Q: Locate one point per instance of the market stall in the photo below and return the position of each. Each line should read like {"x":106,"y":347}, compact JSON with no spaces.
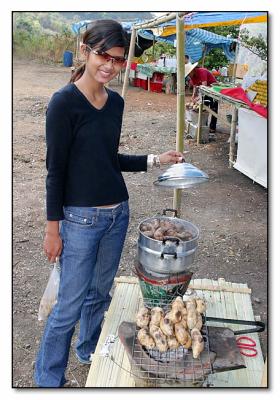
{"x":252,"y":129}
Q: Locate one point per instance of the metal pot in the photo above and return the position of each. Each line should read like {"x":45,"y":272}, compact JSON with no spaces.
{"x":171,"y":255}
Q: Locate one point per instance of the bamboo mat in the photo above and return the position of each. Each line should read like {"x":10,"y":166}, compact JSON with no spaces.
{"x":224,"y":300}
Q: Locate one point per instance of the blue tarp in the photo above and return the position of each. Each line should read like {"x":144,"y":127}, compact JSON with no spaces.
{"x":198,"y":20}
{"x":79,"y":25}
{"x":196,"y":40}
{"x":208,"y":19}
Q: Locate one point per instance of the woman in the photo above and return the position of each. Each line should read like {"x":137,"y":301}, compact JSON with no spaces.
{"x":201,"y":76}
{"x":87,"y":200}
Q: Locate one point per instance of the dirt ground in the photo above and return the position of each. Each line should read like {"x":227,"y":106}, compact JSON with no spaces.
{"x":230,"y":210}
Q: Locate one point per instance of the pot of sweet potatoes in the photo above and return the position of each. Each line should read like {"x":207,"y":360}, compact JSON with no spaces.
{"x":167,"y":245}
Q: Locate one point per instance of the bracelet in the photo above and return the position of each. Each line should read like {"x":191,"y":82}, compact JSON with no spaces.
{"x":153,"y":161}
{"x":156,"y":161}
{"x":150,"y":161}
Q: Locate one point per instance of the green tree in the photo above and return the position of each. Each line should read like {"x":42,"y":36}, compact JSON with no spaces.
{"x":256,"y":44}
{"x":216,"y":57}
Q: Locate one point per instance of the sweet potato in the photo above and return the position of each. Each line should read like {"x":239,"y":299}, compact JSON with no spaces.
{"x":145,"y":339}
{"x":172,"y":342}
{"x":143,"y":317}
{"x":178,"y":304}
{"x":199,"y":322}
{"x":156,"y":315}
{"x":159,"y":234}
{"x":197,"y":342}
{"x":155,"y":224}
{"x":159,"y":338}
{"x":184,"y":319}
{"x":190,"y":305}
{"x":182,"y":335}
{"x":185,"y":236}
{"x":166,"y":326}
{"x":200,"y":305}
{"x":174,"y":316}
{"x":192,"y":319}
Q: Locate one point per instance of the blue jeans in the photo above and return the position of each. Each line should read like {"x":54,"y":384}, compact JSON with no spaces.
{"x":93,"y":240}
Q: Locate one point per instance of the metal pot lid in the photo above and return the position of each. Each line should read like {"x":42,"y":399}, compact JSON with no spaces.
{"x":181,"y":176}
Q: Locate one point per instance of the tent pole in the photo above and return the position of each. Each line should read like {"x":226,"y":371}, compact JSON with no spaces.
{"x":203,"y":56}
{"x":180,"y":52}
{"x":235,"y":62}
{"x":159,"y":20}
{"x":130,"y":56}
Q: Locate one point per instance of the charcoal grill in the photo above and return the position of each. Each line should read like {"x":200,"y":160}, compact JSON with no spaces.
{"x":178,"y":368}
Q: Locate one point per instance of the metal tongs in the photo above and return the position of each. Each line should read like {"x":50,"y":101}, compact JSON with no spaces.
{"x":258,"y":325}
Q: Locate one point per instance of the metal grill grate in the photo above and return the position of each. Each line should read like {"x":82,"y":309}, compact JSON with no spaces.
{"x":173,"y":367}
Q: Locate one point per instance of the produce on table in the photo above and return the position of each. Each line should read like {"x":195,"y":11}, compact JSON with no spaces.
{"x":180,"y":326}
{"x":159,"y":229}
{"x":192,"y":106}
{"x":197,"y":342}
{"x":261,"y":88}
{"x":145,"y":339}
{"x":143,"y":317}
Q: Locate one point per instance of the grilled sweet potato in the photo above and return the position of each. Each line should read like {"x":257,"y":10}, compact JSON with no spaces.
{"x":145,"y":339}
{"x":159,"y":338}
{"x":197,"y":342}
{"x":156,"y":315}
{"x":143,"y":317}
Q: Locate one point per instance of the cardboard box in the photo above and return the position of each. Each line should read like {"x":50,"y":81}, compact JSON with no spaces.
{"x":241,"y":70}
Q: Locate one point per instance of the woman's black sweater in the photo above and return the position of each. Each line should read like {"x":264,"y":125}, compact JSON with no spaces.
{"x":83,"y":163}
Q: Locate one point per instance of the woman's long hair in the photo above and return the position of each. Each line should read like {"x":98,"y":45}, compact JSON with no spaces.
{"x":102,"y":34}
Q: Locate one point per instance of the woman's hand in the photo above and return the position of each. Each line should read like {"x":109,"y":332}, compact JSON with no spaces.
{"x":52,"y":246}
{"x":195,"y":99}
{"x":171,"y":157}
{"x":52,"y":241}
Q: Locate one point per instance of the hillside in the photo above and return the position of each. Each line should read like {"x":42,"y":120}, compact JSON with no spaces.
{"x":53,"y":22}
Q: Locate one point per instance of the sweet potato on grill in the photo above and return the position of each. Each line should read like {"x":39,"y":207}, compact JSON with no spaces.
{"x":146,"y":339}
{"x":199,"y":322}
{"x":174,"y":316}
{"x":192,"y":319}
{"x":178,"y":304}
{"x":200,"y":306}
{"x":172,"y":342}
{"x":143,"y":317}
{"x":182,"y":335}
{"x":159,"y":338}
{"x":156,"y":315}
{"x":184,"y":319}
{"x":190,"y":305}
{"x":166,"y":326}
{"x":197,"y":342}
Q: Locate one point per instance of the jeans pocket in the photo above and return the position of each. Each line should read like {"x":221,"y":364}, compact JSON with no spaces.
{"x":78,"y":219}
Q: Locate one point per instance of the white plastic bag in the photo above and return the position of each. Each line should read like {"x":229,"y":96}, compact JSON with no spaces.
{"x":50,"y":294}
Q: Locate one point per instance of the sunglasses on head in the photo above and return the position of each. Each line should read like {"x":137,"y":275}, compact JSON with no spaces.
{"x":107,"y":57}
